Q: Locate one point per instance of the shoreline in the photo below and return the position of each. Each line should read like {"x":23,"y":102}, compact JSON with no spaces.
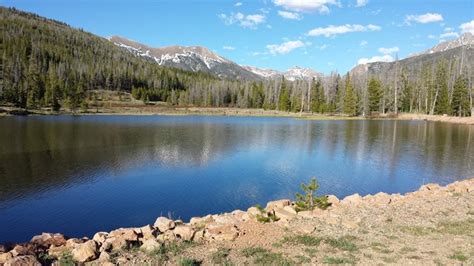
{"x":433,"y":215}
{"x":146,"y":110}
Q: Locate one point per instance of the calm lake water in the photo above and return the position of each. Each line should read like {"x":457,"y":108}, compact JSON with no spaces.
{"x":79,"y":175}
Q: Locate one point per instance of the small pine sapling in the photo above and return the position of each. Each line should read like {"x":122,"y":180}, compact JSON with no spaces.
{"x":309,"y":201}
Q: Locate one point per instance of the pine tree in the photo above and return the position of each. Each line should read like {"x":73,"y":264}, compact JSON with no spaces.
{"x":442,"y":102}
{"x":460,"y":102}
{"x":375,"y":94}
{"x":350,"y":101}
{"x":284,"y":103}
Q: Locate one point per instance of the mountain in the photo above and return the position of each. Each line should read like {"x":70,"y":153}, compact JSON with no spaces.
{"x":198,"y":58}
{"x":191,"y":58}
{"x":292,"y":74}
{"x":460,"y":50}
{"x":467,"y":39}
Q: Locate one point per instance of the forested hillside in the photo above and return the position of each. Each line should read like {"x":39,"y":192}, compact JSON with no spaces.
{"x":46,"y":63}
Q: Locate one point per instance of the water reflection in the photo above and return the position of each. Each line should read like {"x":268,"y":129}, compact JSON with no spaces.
{"x":79,"y":175}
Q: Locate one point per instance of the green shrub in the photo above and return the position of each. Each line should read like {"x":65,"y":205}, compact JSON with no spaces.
{"x":189,"y":262}
{"x":309,"y":201}
{"x":220,"y":256}
{"x":264,"y":216}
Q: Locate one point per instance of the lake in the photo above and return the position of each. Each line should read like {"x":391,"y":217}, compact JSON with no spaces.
{"x":81,"y":174}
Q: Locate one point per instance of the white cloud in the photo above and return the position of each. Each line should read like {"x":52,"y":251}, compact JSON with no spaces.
{"x":285,"y":47}
{"x":361,"y":3}
{"x":230,"y":48}
{"x":290,"y":15}
{"x":246,"y":21}
{"x":449,"y":35}
{"x":377,"y":58}
{"x":425,"y":18}
{"x":431,"y":36}
{"x":238,"y":4}
{"x":309,"y":6}
{"x":390,"y":50}
{"x":467,"y":27}
{"x":342,"y":29}
{"x":448,"y":29}
{"x":363,"y":43}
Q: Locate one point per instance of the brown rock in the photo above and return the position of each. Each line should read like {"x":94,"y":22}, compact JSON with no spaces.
{"x":148,"y":232}
{"x":4,"y":257}
{"x":271,"y":205}
{"x":430,"y":187}
{"x":104,"y":257}
{"x":226,"y":219}
{"x":199,"y":236}
{"x":355,"y":199}
{"x":166,"y":236}
{"x":20,"y":250}
{"x":48,"y":239}
{"x":333,"y":200}
{"x":85,"y":252}
{"x":128,"y":234}
{"x":72,"y":242}
{"x":284,"y":214}
{"x":100,"y":237}
{"x":241,"y":216}
{"x":184,"y":232}
{"x":3,"y":249}
{"x":150,"y":245}
{"x":253,"y":211}
{"x":28,"y":260}
{"x":217,"y":231}
{"x":200,"y":222}
{"x":58,"y":251}
{"x":164,"y":224}
{"x":290,"y":209}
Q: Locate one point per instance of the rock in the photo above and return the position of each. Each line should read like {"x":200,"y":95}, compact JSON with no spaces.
{"x":199,"y":236}
{"x":20,"y":250}
{"x":284,"y":214}
{"x":85,"y":252}
{"x":58,"y":251}
{"x":114,"y":243}
{"x":355,"y":199}
{"x":48,"y":239}
{"x":3,"y":249}
{"x":217,"y":231}
{"x":100,"y":237}
{"x":128,"y":234}
{"x":200,"y":222}
{"x":104,"y":257}
{"x":241,"y":216}
{"x":333,"y":200}
{"x":311,"y":214}
{"x":72,"y":242}
{"x":226,"y":219}
{"x":150,"y":245}
{"x":271,"y":205}
{"x":164,"y":224}
{"x":4,"y":257}
{"x":253,"y":211}
{"x":148,"y":232}
{"x":28,"y":260}
{"x":184,"y":232}
{"x":166,"y":236}
{"x":290,"y":209}
{"x":429,"y":187}
{"x":306,"y":228}
{"x":351,"y":222}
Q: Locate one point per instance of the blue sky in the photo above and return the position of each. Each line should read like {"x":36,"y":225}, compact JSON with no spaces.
{"x":324,"y":35}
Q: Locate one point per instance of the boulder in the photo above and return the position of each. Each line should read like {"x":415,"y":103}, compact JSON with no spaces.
{"x":199,"y":236}
{"x":290,"y":209}
{"x":354,"y":199}
{"x":311,"y":214}
{"x":28,"y":260}
{"x":72,"y":242}
{"x":253,"y":211}
{"x":226,"y":219}
{"x":283,"y":214}
{"x":150,"y":245}
{"x":104,"y":257}
{"x":184,"y":232}
{"x":100,"y":237}
{"x":271,"y":205}
{"x":333,"y":200}
{"x":58,"y":251}
{"x":200,"y":222}
{"x":20,"y":250}
{"x":218,"y":231}
{"x":3,"y":249}
{"x":241,"y":216}
{"x":114,"y":243}
{"x":429,"y":187}
{"x":85,"y":252}
{"x":48,"y":239}
{"x":148,"y":232}
{"x":128,"y":234}
{"x":164,"y":224}
{"x":4,"y":257}
{"x":166,"y":236}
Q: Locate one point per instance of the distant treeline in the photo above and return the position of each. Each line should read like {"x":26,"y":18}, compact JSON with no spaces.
{"x":46,"y":63}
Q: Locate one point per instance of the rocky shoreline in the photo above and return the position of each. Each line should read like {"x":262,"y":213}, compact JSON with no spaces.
{"x":357,"y":216}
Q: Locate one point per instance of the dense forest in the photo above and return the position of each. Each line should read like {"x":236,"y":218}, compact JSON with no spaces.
{"x":47,"y":64}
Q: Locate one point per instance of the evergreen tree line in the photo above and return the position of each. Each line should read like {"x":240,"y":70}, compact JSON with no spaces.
{"x":45,"y":63}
